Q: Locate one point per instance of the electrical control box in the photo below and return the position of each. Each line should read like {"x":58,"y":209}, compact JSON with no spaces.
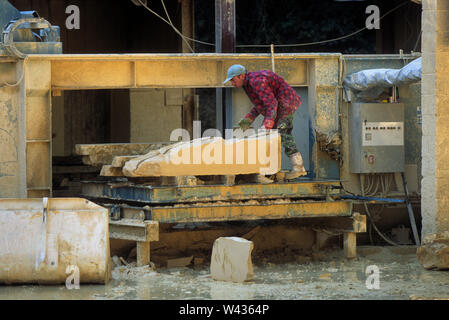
{"x":376,"y":137}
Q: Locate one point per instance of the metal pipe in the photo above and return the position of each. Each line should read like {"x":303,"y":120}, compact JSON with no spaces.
{"x":410,"y":211}
{"x":372,"y":198}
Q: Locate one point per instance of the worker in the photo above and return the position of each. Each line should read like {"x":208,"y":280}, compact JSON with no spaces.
{"x":277,"y":102}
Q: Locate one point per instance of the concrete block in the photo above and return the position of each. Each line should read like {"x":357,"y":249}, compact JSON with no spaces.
{"x":443,"y":220}
{"x":428,"y":63}
{"x":442,"y":86}
{"x":428,"y":105}
{"x":442,"y":20}
{"x":428,"y":82}
{"x":428,"y":125}
{"x":428,"y":146}
{"x":231,"y":259}
{"x":442,"y":186}
{"x":429,"y":5}
{"x":442,"y":41}
{"x":428,"y":189}
{"x":429,"y":42}
{"x":428,"y":167}
{"x":150,"y":119}
{"x":442,"y":101}
{"x":442,"y":4}
{"x":429,"y":224}
{"x":442,"y":148}
{"x":173,"y":97}
{"x":429,"y":20}
{"x":441,"y":65}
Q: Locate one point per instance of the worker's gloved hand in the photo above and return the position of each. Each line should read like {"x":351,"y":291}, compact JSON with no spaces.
{"x":245,"y":123}
{"x":268,"y":124}
{"x":282,"y":126}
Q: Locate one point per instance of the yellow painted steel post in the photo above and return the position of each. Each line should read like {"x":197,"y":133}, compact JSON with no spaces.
{"x":37,"y":104}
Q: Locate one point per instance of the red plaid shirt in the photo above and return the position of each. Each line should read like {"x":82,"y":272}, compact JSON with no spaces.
{"x":271,"y":95}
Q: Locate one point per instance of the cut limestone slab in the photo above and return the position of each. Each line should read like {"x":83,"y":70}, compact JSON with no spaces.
{"x":110,"y":171}
{"x":231,"y":259}
{"x":101,"y":154}
{"x":434,"y":251}
{"x":257,"y":154}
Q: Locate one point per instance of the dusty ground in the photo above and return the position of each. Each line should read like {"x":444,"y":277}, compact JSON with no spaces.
{"x":324,"y":276}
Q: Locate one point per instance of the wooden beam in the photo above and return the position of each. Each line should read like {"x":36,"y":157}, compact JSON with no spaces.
{"x":350,"y":245}
{"x":143,"y":253}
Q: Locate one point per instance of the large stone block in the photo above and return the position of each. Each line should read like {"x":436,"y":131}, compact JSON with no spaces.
{"x":258,"y":153}
{"x":231,"y":259}
{"x":434,"y":252}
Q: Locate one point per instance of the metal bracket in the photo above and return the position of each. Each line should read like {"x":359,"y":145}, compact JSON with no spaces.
{"x":44,"y":209}
{"x":8,"y":33}
{"x":115,"y":213}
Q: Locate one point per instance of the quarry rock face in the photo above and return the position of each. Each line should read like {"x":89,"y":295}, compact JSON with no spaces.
{"x":434,"y":252}
{"x":231,"y":259}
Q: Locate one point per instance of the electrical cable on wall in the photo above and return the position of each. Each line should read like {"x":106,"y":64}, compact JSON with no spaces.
{"x":176,"y":30}
{"x":371,"y":219}
{"x":262,"y":45}
{"x":171,"y":24}
{"x":323,"y":41}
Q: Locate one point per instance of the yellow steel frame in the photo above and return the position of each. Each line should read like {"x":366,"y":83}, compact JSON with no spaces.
{"x":45,"y":75}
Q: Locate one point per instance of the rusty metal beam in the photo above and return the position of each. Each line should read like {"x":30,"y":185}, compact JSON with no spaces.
{"x":103,"y":71}
{"x":230,"y":212}
{"x":134,"y":230}
{"x":233,"y":211}
{"x":177,"y":194}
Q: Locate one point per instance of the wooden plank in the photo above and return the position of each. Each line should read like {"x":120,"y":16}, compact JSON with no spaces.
{"x":267,"y":210}
{"x":143,"y":253}
{"x":73,"y":169}
{"x":350,"y":245}
{"x":134,"y":230}
{"x":359,"y":222}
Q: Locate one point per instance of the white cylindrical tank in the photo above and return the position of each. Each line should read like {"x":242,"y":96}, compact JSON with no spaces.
{"x":51,"y":240}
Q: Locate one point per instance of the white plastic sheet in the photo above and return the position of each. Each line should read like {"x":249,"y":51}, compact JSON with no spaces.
{"x":371,"y":83}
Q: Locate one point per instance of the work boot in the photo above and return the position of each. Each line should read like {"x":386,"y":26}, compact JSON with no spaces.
{"x":297,"y":167}
{"x":263,"y":180}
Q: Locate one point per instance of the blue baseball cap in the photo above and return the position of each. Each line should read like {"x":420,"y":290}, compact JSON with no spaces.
{"x":235,"y":70}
